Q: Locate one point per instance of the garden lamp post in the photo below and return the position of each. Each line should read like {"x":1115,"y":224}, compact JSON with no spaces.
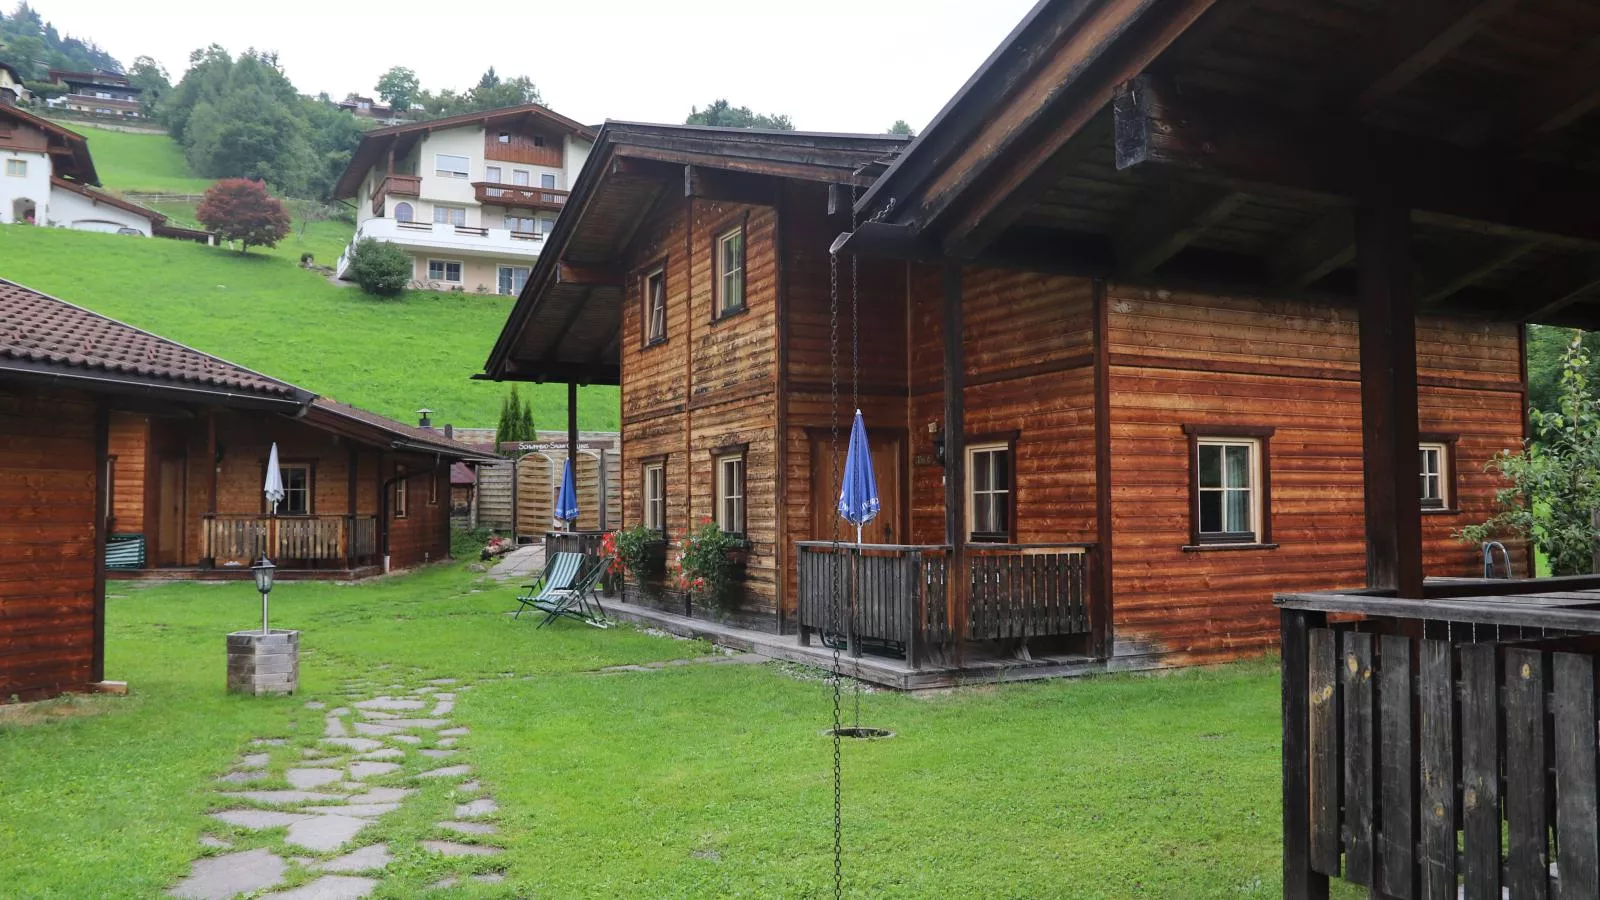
{"x":263,"y":571}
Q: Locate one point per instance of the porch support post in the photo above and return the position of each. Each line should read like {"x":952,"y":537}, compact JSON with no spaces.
{"x":572,"y":434}
{"x":1389,"y":398}
{"x":350,"y":507}
{"x":1300,"y":881}
{"x":102,"y":515}
{"x":955,"y":470}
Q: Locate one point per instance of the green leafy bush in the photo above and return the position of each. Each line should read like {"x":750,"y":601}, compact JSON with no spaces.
{"x":381,"y":269}
{"x":705,"y":564}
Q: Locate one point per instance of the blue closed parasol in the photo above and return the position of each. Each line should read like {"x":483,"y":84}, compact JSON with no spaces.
{"x":858,"y":495}
{"x":567,"y":499}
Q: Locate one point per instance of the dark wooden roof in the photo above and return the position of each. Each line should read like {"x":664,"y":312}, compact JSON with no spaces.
{"x":565,"y":325}
{"x":69,"y":150}
{"x":375,"y":144}
{"x":1225,"y":143}
{"x":44,"y":337}
{"x":371,"y":428}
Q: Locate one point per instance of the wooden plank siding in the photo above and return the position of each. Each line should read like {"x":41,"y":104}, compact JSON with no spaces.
{"x":1179,"y":360}
{"x":128,"y":446}
{"x":49,"y":586}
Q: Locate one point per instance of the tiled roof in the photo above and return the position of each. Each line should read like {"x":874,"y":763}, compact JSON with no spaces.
{"x":461,"y":473}
{"x":41,"y":330}
{"x":418,"y":438}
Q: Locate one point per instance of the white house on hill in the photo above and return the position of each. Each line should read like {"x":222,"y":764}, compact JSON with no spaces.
{"x":469,"y":198}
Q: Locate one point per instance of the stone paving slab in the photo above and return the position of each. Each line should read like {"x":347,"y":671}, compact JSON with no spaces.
{"x":222,"y":877}
{"x":445,"y":697}
{"x":330,"y":887}
{"x":446,"y":772}
{"x":383,"y":795}
{"x":309,"y":778}
{"x":446,"y":742}
{"x":324,"y":833}
{"x":385,"y":753}
{"x":243,"y":777}
{"x":375,"y":729}
{"x":378,"y":715}
{"x":361,"y":771}
{"x":366,"y":859}
{"x":454,"y":732}
{"x":415,"y":723}
{"x":405,"y":738}
{"x":451,"y":848}
{"x":217,"y":843}
{"x":438,"y":754}
{"x":258,"y":819}
{"x":334,"y":727}
{"x":468,"y":787}
{"x":442,"y":680}
{"x":254,"y":761}
{"x":279,"y":798}
{"x":442,"y":708}
{"x":268,"y":742}
{"x":359,"y":810}
{"x":469,"y":827}
{"x":354,"y":743}
{"x":391,"y":703}
{"x":477,"y":808}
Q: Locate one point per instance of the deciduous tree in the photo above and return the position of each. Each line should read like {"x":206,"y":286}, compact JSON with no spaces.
{"x":398,"y":88}
{"x":240,"y":209}
{"x":723,"y":114}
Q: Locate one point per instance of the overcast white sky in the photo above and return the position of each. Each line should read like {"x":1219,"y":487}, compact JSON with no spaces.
{"x":831,"y":65}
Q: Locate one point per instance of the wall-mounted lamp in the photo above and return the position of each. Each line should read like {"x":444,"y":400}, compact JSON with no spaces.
{"x":937,"y":434}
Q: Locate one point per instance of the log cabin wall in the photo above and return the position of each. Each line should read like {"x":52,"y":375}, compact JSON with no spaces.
{"x":807,"y":232}
{"x":129,"y":444}
{"x":423,"y":534}
{"x":1183,"y":359}
{"x":710,"y":386}
{"x":49,"y":567}
{"x":1029,"y":351}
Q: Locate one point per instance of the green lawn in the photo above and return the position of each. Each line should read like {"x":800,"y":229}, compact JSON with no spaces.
{"x":262,"y":310}
{"x":689,"y":781}
{"x":139,"y":162}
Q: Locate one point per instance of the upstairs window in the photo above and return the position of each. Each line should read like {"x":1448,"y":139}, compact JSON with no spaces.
{"x":1228,"y":485}
{"x":538,"y":140}
{"x":729,"y":497}
{"x":547,"y":181}
{"x":655,"y":306}
{"x":655,"y":496}
{"x":524,"y":224}
{"x":519,"y":176}
{"x":450,"y":215}
{"x":728,"y":271}
{"x":491,"y":174}
{"x":403,"y":212}
{"x":17,"y":168}
{"x":448,"y":166}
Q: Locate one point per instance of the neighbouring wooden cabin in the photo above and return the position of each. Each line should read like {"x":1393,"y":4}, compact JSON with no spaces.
{"x":1416,"y":179}
{"x":364,"y":494}
{"x":65,"y":373}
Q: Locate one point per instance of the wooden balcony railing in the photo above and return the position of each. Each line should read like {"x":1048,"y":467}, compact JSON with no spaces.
{"x":399,"y":185}
{"x":1443,"y":747}
{"x":899,"y":596}
{"x":312,"y":538}
{"x":519,"y":195}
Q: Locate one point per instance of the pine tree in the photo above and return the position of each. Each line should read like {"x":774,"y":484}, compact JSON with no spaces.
{"x":529,"y":432}
{"x":509,"y":428}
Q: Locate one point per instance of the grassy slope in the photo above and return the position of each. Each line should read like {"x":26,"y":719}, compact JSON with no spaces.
{"x":139,"y":162}
{"x":699,"y":781}
{"x":261,"y":310}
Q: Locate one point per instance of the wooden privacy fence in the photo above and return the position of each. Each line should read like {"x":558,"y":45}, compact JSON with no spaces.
{"x":1426,"y":758}
{"x":247,"y":538}
{"x":899,"y":596}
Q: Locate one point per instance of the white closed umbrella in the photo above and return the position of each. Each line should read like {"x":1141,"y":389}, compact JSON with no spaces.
{"x":274,"y":486}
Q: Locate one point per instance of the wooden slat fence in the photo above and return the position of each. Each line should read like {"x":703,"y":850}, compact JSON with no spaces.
{"x":311,"y":538}
{"x":1427,"y":768}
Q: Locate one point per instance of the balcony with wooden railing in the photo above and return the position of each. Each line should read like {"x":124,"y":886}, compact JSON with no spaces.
{"x":350,"y":540}
{"x":398,"y":185}
{"x":520,"y":196}
{"x":902,"y":599}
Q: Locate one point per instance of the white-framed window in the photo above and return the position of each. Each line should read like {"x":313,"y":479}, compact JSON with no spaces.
{"x":503,"y":137}
{"x":730,"y":492}
{"x":403,"y":212}
{"x":546,"y":224}
{"x":491,"y":174}
{"x":655,"y":305}
{"x":510,"y":279}
{"x":401,"y":494}
{"x":655,"y":496}
{"x":449,"y":215}
{"x":446,"y":165}
{"x":296,"y":490}
{"x":730,"y":271}
{"x":17,"y":168}
{"x":525,"y":224}
{"x":546,"y":180}
{"x":1434,"y":461}
{"x":519,"y":176}
{"x":433,"y":488}
{"x":989,"y":488}
{"x":1228,"y":485}
{"x":444,"y":270}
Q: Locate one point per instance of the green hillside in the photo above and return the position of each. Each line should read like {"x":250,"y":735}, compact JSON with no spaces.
{"x":263,"y":311}
{"x":139,"y":162}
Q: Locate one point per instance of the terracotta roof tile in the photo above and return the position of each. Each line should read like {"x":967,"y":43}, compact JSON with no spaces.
{"x":40,"y":329}
{"x":424,"y":437}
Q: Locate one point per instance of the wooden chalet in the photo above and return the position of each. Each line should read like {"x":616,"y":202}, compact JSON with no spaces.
{"x":1405,"y":185}
{"x":119,"y":446}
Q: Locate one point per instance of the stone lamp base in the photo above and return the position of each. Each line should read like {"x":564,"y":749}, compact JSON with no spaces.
{"x":263,"y":663}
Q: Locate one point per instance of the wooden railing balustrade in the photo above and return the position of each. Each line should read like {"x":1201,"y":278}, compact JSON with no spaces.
{"x":899,"y":596}
{"x":311,"y":538}
{"x":519,"y":195}
{"x":1443,"y":747}
{"x":399,"y":185}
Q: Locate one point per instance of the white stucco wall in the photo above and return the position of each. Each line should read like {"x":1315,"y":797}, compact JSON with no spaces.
{"x":35,"y":185}
{"x":73,"y":210}
{"x":466,"y":142}
{"x":576,"y":154}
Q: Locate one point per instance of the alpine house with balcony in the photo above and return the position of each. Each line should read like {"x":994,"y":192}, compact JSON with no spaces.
{"x":470,"y":198}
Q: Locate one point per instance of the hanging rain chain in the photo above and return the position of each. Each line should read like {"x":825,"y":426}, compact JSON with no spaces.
{"x":855,"y":403}
{"x":834,"y":617}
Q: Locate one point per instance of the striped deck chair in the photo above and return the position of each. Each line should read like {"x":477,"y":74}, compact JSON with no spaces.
{"x":580,"y":601}
{"x":559,"y":574}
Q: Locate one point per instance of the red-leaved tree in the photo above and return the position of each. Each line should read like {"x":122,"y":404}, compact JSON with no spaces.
{"x":241,"y":210}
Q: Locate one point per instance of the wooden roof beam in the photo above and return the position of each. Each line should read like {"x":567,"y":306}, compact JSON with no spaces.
{"x":1543,"y":107}
{"x":1328,"y":244}
{"x":1319,"y":159}
{"x":587,"y":276}
{"x":1564,"y":285}
{"x":1417,"y":35}
{"x":1473,"y":271}
{"x":1169,"y":222}
{"x":728,"y":187}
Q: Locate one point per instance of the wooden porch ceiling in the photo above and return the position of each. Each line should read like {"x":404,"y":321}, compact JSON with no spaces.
{"x":1225,"y":143}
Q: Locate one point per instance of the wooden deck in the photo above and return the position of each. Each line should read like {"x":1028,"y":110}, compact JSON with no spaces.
{"x":1445,"y":745}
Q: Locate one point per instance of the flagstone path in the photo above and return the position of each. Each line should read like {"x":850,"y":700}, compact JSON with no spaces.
{"x":291,"y":814}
